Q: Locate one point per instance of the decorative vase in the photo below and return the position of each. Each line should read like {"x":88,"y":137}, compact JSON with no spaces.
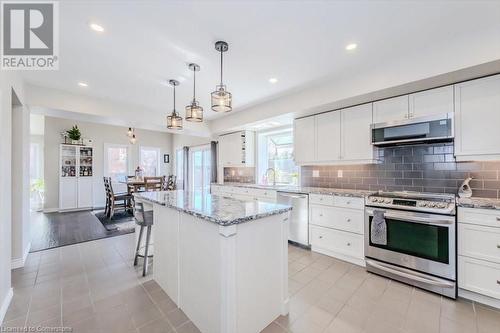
{"x":464,"y":190}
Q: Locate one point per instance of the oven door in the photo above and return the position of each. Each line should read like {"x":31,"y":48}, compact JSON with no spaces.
{"x":419,"y":241}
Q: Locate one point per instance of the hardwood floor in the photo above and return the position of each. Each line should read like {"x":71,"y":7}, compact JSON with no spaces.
{"x":50,"y":230}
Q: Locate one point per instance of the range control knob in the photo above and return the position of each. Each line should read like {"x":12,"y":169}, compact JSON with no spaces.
{"x":387,"y":201}
{"x":374,"y":199}
{"x":423,"y":204}
{"x":433,"y":205}
{"x":442,"y":205}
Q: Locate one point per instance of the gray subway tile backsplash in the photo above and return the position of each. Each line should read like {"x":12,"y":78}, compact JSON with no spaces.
{"x":427,"y":167}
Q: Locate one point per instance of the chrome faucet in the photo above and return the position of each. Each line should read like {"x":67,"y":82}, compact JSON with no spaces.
{"x":274,"y":175}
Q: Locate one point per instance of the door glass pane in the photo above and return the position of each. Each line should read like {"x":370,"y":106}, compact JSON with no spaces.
{"x":179,"y":167}
{"x":150,"y":161}
{"x":416,"y":239}
{"x":201,"y":169}
{"x":117,"y":163}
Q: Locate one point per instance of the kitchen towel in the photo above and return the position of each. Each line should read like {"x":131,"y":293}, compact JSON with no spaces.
{"x":378,"y":231}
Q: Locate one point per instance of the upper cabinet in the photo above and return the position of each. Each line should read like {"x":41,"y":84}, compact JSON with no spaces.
{"x":328,"y":136}
{"x":438,"y":101}
{"x":391,"y":109}
{"x":335,"y":137}
{"x":477,"y":119}
{"x":304,"y":139}
{"x":431,"y":102}
{"x":356,"y":134}
{"x":237,"y":149}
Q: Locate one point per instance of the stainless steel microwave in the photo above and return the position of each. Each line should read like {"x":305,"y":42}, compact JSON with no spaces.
{"x":414,"y":130}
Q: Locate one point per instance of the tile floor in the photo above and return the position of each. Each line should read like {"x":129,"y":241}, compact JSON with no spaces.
{"x":93,"y":287}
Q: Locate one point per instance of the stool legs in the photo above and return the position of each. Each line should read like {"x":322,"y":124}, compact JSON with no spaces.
{"x":145,"y":264}
{"x":138,"y":246}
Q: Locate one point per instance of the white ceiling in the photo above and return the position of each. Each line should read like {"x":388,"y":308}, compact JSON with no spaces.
{"x":148,"y":42}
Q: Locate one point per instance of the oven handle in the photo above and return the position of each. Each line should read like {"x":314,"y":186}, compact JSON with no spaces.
{"x":415,"y":276}
{"x":437,"y":220}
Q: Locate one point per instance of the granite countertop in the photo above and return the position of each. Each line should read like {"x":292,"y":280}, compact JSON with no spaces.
{"x":305,"y":189}
{"x":214,"y":208}
{"x":475,"y":202}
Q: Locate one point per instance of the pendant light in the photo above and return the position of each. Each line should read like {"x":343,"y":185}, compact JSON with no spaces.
{"x":194,"y":112}
{"x":221,"y":98}
{"x":174,"y":121}
{"x":130,"y":132}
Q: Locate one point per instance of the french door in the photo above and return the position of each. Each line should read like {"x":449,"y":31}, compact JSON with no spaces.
{"x":200,"y":168}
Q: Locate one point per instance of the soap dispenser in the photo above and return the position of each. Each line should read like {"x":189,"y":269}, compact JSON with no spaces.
{"x":464,"y":190}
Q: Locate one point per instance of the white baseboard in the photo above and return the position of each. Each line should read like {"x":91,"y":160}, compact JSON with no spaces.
{"x":5,"y":304}
{"x":50,"y":210}
{"x":490,"y":301}
{"x":19,"y":262}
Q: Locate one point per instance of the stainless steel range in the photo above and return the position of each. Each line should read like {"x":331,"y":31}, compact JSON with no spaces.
{"x":420,"y":239}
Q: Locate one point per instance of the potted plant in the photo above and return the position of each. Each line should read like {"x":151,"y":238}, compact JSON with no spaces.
{"x":74,"y":134}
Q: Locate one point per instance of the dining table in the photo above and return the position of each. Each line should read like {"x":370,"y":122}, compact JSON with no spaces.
{"x":133,"y":185}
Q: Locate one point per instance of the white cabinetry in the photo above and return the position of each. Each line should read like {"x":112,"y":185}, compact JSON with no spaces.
{"x":244,"y":193}
{"x":477,"y":119}
{"x":337,"y":227}
{"x":479,"y":254}
{"x":431,"y":102}
{"x":237,"y":149}
{"x":336,"y":137}
{"x":391,"y":109}
{"x":328,"y":136}
{"x":356,"y":134}
{"x":75,"y":177}
{"x":304,"y":140}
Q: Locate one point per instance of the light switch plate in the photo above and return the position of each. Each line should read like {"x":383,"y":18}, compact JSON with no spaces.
{"x":315,"y":173}
{"x":340,"y":173}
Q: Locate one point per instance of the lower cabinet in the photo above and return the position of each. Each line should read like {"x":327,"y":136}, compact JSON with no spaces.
{"x":478,"y":248}
{"x":337,"y":227}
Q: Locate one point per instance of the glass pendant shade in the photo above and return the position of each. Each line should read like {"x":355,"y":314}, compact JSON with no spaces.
{"x":222,"y":100}
{"x":174,"y":121}
{"x":194,"y":112}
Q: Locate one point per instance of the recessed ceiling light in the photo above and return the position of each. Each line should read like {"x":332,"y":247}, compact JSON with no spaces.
{"x":82,"y":84}
{"x":96,"y":27}
{"x":273,"y":80}
{"x":350,"y":47}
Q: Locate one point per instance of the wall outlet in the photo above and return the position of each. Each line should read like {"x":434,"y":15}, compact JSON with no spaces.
{"x":340,"y":174}
{"x":315,"y":173}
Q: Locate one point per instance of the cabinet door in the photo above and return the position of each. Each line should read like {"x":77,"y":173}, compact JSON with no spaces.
{"x":304,"y":139}
{"x":432,"y":102}
{"x":392,"y":109}
{"x":68,"y":193}
{"x":328,"y":136}
{"x":477,"y":116}
{"x":230,"y":149}
{"x":356,"y":134}
{"x":85,"y":192}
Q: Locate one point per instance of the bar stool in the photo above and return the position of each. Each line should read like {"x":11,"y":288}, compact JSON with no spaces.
{"x":144,"y":220}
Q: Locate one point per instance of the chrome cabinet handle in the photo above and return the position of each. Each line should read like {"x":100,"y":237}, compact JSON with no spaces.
{"x":498,"y":246}
{"x":348,"y":244}
{"x":498,"y":218}
{"x":321,"y":215}
{"x":348,"y":220}
{"x":498,"y":281}
{"x":320,"y":237}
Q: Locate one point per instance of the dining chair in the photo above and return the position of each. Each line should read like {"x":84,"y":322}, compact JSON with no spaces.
{"x":153,"y":183}
{"x":106,"y":194}
{"x":117,"y":200}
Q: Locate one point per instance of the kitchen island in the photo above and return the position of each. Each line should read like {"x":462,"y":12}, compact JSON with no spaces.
{"x":223,"y":261}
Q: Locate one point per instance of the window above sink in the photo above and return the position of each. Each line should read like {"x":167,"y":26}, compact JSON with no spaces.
{"x":275,"y":151}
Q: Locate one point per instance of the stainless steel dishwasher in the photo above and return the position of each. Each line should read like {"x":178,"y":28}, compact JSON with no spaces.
{"x":299,"y":216}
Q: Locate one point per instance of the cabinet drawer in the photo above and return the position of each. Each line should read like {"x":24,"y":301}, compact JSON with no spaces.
{"x":479,"y":276}
{"x":479,"y":242}
{"x":337,"y":241}
{"x":321,"y":199}
{"x":266,"y":194}
{"x":486,"y":217}
{"x":349,"y":202}
{"x":338,"y":218}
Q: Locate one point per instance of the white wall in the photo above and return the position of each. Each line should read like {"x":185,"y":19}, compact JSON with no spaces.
{"x":100,"y":134}
{"x":20,"y":185}
{"x":9,"y":81}
{"x":181,"y":140}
